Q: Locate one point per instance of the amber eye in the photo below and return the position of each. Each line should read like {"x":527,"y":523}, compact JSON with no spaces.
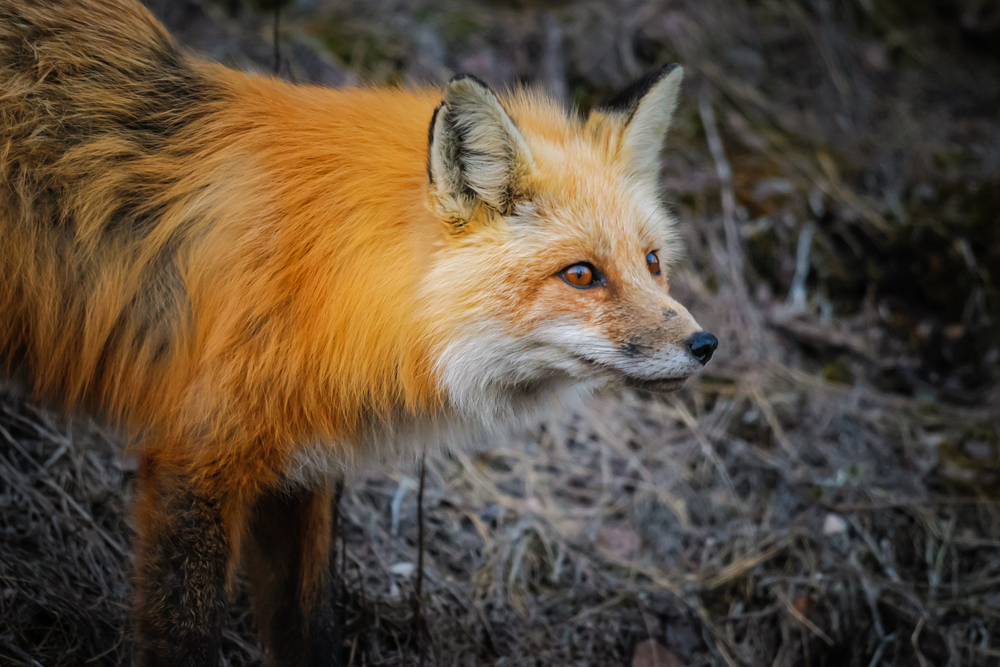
{"x":580,"y":275}
{"x":653,"y":263}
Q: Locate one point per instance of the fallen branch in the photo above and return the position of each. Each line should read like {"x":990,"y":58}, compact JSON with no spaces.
{"x":748,"y":318}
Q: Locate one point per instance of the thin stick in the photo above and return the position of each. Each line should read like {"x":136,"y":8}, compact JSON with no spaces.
{"x":339,"y":584}
{"x":733,"y":243}
{"x":50,"y":482}
{"x":338,"y":493}
{"x":418,"y":601}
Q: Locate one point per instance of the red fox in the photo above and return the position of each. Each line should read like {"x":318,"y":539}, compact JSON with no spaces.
{"x":263,"y":284}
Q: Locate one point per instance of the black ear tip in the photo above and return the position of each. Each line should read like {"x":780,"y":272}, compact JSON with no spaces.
{"x":469,"y":77}
{"x":657,"y":74}
{"x":430,"y":128}
{"x":628,"y":99}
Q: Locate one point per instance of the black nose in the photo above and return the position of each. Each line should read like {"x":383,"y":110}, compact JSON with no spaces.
{"x":702,"y":345}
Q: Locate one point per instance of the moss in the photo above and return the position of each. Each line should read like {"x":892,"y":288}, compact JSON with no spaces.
{"x":970,"y":466}
{"x":362,"y":51}
{"x":458,"y":25}
{"x":712,"y":283}
{"x":838,"y":372}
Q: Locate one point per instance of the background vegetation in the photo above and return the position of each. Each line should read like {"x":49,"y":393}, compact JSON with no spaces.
{"x":827,"y":494}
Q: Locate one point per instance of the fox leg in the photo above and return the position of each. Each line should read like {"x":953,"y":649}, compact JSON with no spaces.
{"x":288,"y":560}
{"x":185,"y":557}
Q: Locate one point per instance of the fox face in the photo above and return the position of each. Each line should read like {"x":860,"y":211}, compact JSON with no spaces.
{"x":557,"y":250}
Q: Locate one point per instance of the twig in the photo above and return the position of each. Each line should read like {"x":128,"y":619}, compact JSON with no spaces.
{"x":915,"y":640}
{"x":881,"y":649}
{"x":117,"y":644}
{"x":744,"y":565}
{"x":607,"y":604}
{"x":122,"y":551}
{"x":746,"y":95}
{"x":875,"y":550}
{"x":418,"y":601}
{"x":801,"y":618}
{"x":824,"y":338}
{"x":49,"y":482}
{"x":772,"y":420}
{"x":708,"y":451}
{"x":797,"y":294}
{"x":339,"y":584}
{"x":553,"y":61}
{"x":733,"y":243}
{"x":252,"y":651}
{"x":396,"y":506}
{"x":354,"y":647}
{"x":28,"y":660}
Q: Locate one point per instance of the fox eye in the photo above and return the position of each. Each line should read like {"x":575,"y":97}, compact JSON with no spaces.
{"x":581,"y":275}
{"x":653,"y":263}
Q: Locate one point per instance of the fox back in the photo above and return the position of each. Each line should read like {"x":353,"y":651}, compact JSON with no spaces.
{"x":261,"y":282}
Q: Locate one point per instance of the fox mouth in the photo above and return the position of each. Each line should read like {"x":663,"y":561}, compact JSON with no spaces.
{"x":655,"y":386}
{"x":659,"y":385}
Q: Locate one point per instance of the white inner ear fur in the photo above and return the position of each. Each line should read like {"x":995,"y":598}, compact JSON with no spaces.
{"x":644,"y":136}
{"x":476,"y":149}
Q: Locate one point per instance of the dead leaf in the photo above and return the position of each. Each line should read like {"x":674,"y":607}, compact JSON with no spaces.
{"x":804,"y":605}
{"x":619,"y":539}
{"x":652,"y":653}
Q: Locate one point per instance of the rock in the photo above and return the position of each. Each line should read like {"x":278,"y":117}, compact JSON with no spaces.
{"x":619,"y":539}
{"x":652,"y":653}
{"x":834,"y":525}
{"x":404,"y":570}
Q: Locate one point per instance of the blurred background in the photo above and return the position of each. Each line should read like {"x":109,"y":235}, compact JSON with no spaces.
{"x":825,"y":494}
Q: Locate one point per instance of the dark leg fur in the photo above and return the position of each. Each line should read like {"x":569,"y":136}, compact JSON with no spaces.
{"x":288,"y":559}
{"x":184,"y":561}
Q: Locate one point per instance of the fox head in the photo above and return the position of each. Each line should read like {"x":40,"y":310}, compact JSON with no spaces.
{"x":555,"y":266}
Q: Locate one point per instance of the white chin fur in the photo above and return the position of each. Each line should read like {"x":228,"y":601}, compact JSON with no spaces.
{"x":496,"y":383}
{"x":667,"y":363}
{"x":490,"y":375}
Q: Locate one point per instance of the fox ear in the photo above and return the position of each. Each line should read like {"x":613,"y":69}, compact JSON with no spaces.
{"x":475,"y":152}
{"x":644,"y":111}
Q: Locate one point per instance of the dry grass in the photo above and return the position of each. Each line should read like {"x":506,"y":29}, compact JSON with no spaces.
{"x":825,"y":495}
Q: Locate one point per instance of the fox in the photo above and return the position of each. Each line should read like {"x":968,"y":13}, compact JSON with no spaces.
{"x":268,"y":286}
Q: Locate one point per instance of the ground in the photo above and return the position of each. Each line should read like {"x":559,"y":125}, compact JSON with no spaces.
{"x":825,"y":494}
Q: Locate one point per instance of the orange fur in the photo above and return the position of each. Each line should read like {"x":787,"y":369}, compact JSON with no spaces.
{"x":293,"y":259}
{"x":258,"y":281}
